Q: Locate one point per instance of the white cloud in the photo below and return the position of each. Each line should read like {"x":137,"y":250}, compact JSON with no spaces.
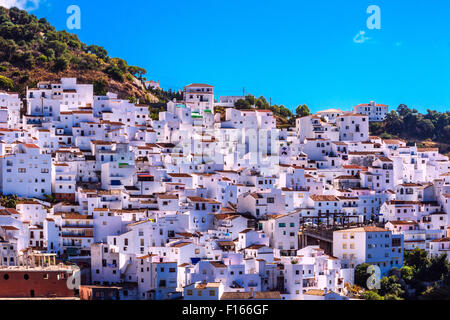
{"x":21,"y":4}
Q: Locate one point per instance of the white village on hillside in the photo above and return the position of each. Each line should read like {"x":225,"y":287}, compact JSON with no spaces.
{"x":202,"y":205}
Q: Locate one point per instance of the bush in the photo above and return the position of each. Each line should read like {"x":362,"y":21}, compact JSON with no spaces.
{"x":50,"y":53}
{"x":61,"y":64}
{"x":74,"y":44}
{"x":115,"y":73}
{"x":407,"y":273}
{"x":6,"y":83}
{"x":392,"y":297}
{"x":391,"y":286}
{"x":58,"y":47}
{"x":361,"y":275}
{"x":372,"y":295}
{"x":98,"y":51}
{"x":42,"y":58}
{"x":9,"y":201}
{"x":28,"y":60}
{"x":100,"y":87}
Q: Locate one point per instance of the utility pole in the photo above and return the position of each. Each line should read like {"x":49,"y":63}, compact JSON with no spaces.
{"x":243,"y":92}
{"x":270,"y":104}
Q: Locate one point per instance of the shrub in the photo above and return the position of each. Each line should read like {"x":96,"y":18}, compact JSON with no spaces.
{"x":42,"y":58}
{"x":61,"y":64}
{"x":6,"y":83}
{"x":100,"y":87}
{"x":372,"y":295}
{"x":114,"y":72}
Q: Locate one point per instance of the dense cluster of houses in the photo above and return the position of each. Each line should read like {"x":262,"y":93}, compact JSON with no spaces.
{"x":205,"y":205}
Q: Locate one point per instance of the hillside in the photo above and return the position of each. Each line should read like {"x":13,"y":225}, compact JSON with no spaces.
{"x":31,"y":50}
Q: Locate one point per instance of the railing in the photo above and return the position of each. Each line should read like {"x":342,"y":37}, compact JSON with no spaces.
{"x":77,"y":226}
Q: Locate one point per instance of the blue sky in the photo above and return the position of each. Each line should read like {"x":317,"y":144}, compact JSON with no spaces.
{"x":294,"y":51}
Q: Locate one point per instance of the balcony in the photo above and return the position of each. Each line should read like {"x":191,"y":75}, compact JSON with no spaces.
{"x":77,"y":226}
{"x":76,"y":235}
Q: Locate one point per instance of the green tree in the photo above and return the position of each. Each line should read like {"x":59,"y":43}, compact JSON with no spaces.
{"x":137,"y":71}
{"x":251,"y":100}
{"x":438,"y":268}
{"x":417,"y":258}
{"x":98,"y":51}
{"x":100,"y":87}
{"x":115,"y":73}
{"x":425,"y":128}
{"x":403,"y":110}
{"x":61,"y":64}
{"x":407,"y":273}
{"x":302,"y":111}
{"x":120,"y":64}
{"x":361,"y":275}
{"x":242,"y":104}
{"x":58,"y":46}
{"x":261,"y":103}
{"x":285,"y":112}
{"x":393,"y":123}
{"x":391,"y":286}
